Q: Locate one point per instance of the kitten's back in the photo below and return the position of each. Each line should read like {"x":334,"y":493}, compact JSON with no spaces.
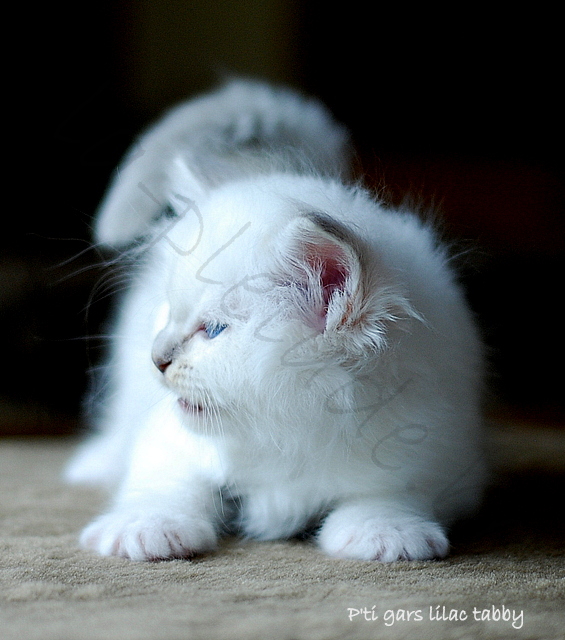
{"x":244,"y":127}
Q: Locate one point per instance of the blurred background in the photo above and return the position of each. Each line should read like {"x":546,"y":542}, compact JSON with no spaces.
{"x":461,"y":109}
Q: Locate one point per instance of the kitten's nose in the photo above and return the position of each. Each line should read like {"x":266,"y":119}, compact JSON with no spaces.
{"x":161,"y":363}
{"x":162,"y":351}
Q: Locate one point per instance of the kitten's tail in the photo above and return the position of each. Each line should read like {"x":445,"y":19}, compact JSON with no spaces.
{"x":244,"y":127}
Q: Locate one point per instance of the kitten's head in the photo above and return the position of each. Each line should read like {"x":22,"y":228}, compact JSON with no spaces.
{"x":274,"y":306}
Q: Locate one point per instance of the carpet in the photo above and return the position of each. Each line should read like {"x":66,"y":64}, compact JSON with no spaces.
{"x":504,"y":579}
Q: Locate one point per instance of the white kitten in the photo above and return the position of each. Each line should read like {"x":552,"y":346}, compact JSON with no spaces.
{"x":290,"y":354}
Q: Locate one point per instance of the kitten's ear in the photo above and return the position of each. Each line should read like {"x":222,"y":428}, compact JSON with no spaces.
{"x":338,"y":287}
{"x":323,"y":264}
{"x":141,"y":190}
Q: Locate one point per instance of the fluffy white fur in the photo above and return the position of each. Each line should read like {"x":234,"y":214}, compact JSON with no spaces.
{"x":291,"y":354}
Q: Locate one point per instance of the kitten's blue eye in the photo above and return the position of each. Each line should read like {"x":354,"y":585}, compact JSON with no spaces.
{"x":214,"y":329}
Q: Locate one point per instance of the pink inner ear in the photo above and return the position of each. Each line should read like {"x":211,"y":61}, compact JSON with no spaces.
{"x":330,"y":261}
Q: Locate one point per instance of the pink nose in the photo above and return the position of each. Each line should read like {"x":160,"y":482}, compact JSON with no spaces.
{"x":161,"y":363}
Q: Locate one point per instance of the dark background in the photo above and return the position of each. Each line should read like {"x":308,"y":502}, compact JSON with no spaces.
{"x":460,"y":109}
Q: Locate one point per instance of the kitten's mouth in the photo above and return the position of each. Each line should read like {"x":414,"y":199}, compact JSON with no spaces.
{"x":190,"y":407}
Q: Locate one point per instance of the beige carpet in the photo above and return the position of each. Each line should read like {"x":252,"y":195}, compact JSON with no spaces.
{"x":507,"y":568}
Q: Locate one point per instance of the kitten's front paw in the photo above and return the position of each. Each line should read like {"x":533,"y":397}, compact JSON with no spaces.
{"x":149,"y":536}
{"x":385,"y":535}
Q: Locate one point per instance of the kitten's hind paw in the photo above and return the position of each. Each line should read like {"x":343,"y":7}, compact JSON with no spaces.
{"x":149,"y":536}
{"x":382,"y":534}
